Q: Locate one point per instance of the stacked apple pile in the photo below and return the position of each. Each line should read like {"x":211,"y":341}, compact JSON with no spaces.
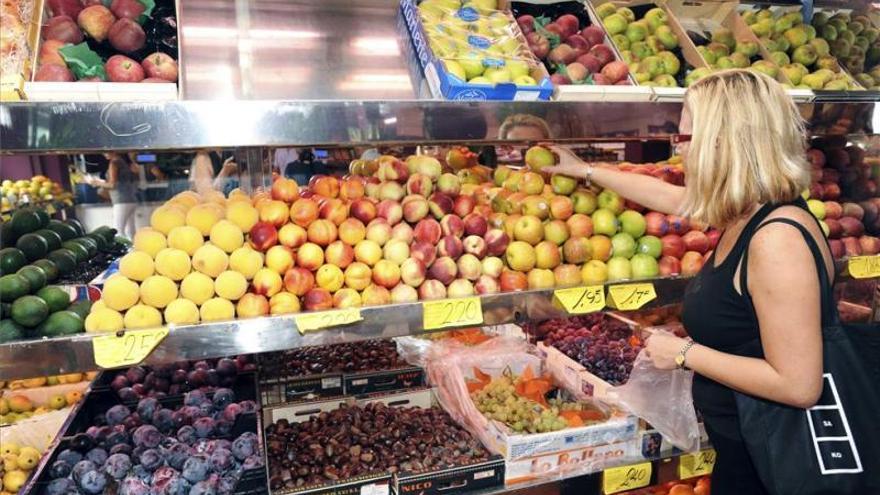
{"x":575,"y":55}
{"x":809,"y":61}
{"x":727,"y":52}
{"x":645,"y":44}
{"x":845,"y":222}
{"x":119,"y":24}
{"x":853,"y":40}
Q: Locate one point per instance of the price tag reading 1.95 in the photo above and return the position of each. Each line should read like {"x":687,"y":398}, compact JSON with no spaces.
{"x":629,"y":297}
{"x":310,"y":322}
{"x":696,"y":464}
{"x":129,"y":348}
{"x":581,"y":300}
{"x":864,"y":266}
{"x":452,"y":313}
{"x":625,"y":478}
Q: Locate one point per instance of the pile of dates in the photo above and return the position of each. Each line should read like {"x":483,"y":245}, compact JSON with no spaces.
{"x":359,"y":440}
{"x":351,"y":357}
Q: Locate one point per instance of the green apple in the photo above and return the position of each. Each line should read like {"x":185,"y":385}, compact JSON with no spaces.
{"x":650,"y":245}
{"x":627,"y":14}
{"x":644,"y":266}
{"x":747,"y":48}
{"x":517,"y":68}
{"x":667,"y":37}
{"x":525,"y":81}
{"x":472,"y":63}
{"x":498,"y":75}
{"x":636,"y":31}
{"x":640,"y":50}
{"x":605,"y":10}
{"x":562,"y":184}
{"x":621,"y":41}
{"x":623,"y":246}
{"x":671,"y":63}
{"x":632,"y":223}
{"x":480,"y":80}
{"x":615,"y":24}
{"x":656,"y":17}
{"x":780,"y":58}
{"x":455,"y":69}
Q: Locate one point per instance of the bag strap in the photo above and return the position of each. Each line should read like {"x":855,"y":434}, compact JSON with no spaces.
{"x":829,"y":311}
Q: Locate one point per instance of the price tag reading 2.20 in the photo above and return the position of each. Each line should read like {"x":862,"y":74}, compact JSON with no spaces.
{"x":581,"y":300}
{"x":629,"y":297}
{"x":864,"y":266}
{"x":132,"y":347}
{"x":696,"y":464}
{"x":625,"y":478}
{"x":452,"y":313}
{"x":310,"y":322}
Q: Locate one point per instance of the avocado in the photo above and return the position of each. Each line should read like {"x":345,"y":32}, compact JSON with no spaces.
{"x":43,"y":216}
{"x":82,"y":308}
{"x":7,"y":236}
{"x":52,"y":238}
{"x":81,"y":253}
{"x":66,"y":232}
{"x":121,"y":239}
{"x":80,"y":231}
{"x":25,"y":221}
{"x":61,"y":323}
{"x":87,"y":242}
{"x":99,"y":240}
{"x":11,"y":260}
{"x":35,"y":276}
{"x":49,"y":269}
{"x":9,"y":331}
{"x":33,"y":246}
{"x":29,"y":311}
{"x":57,"y":298}
{"x":13,"y":286}
{"x":64,"y":259}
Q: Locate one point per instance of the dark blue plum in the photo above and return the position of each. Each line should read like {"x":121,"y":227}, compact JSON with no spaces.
{"x":147,"y":407}
{"x":141,"y":473}
{"x":192,"y":413}
{"x":128,"y":394}
{"x":221,"y":460}
{"x":121,"y":448}
{"x":70,"y":456}
{"x":180,"y":419}
{"x":163,"y":421}
{"x":133,"y":486}
{"x":60,"y":469}
{"x":151,"y":459}
{"x":132,"y":421}
{"x":187,"y":434}
{"x":116,"y":414}
{"x":223,"y":397}
{"x":206,"y":409}
{"x":202,"y":445}
{"x":219,"y":443}
{"x":97,"y":455}
{"x":223,"y":427}
{"x":177,"y":455}
{"x":171,"y":486}
{"x":82,"y":442}
{"x":248,"y":406}
{"x":93,"y":482}
{"x":116,"y":438}
{"x":136,"y":374}
{"x":92,"y":431}
{"x":146,"y":436}
{"x":117,"y":466}
{"x":230,"y":412}
{"x":194,"y":398}
{"x":61,"y":486}
{"x":204,"y":427}
{"x":196,"y":468}
{"x":81,"y":468}
{"x":245,"y":446}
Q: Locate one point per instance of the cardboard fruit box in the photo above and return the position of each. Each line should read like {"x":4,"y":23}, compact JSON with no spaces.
{"x":161,"y":37}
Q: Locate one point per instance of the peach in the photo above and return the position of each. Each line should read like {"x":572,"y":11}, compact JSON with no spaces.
{"x":656,"y":224}
{"x":396,"y":251}
{"x":392,"y":169}
{"x":283,"y":303}
{"x":460,"y":288}
{"x":696,"y":241}
{"x":851,"y":247}
{"x":274,"y":212}
{"x":669,"y":265}
{"x":579,"y":225}
{"x":673,"y":245}
{"x":567,"y":275}
{"x":428,"y":230}
{"x":263,"y":236}
{"x":358,"y":276}
{"x":432,"y":289}
{"x":577,"y":250}
{"x":419,"y":184}
{"x":450,"y":246}
{"x":440,"y":205}
{"x":547,"y":255}
{"x":286,"y":190}
{"x":322,"y":232}
{"x":402,"y":232}
{"x":412,"y":272}
{"x":379,"y":232}
{"x":375,"y":295}
{"x":329,"y":277}
{"x":350,"y":190}
{"x":691,"y":263}
{"x":870,"y":245}
{"x":444,"y":270}
{"x":556,"y":231}
{"x":303,"y":212}
{"x":251,"y":305}
{"x":292,"y":236}
{"x":339,"y":254}
{"x":327,"y":186}
{"x":529,"y":229}
{"x":403,"y":293}
{"x":540,"y":278}
{"x":310,"y":256}
{"x":352,"y":231}
{"x":364,"y":210}
{"x":391,"y":190}
{"x":475,"y":245}
{"x":371,"y":188}
{"x":317,"y":300}
{"x":279,"y":258}
{"x":486,"y":285}
{"x":474,"y":224}
{"x":463,"y":205}
{"x":334,"y":210}
{"x":368,"y":251}
{"x":492,"y":266}
{"x":600,"y":247}
{"x":561,"y":208}
{"x":390,"y":210}
{"x":513,"y":281}
{"x":415,"y":208}
{"x":267,"y":282}
{"x":298,"y":281}
{"x":452,"y":225}
{"x":424,"y":252}
{"x":496,"y":242}
{"x":346,"y":298}
{"x":469,"y":267}
{"x":386,"y":273}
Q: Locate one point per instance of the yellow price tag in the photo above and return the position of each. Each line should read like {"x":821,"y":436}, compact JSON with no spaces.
{"x":632,"y":296}
{"x":452,"y":313}
{"x":696,"y":464}
{"x":581,"y":300}
{"x":132,"y":347}
{"x":310,"y":322}
{"x":625,"y":478}
{"x":864,"y":266}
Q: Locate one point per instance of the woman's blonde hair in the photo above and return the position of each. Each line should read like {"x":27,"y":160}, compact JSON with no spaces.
{"x":523,"y":120}
{"x":748,"y":146}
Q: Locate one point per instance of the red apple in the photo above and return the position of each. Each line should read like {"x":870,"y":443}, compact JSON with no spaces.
{"x":678,"y":225}
{"x":123,"y":69}
{"x":852,"y":227}
{"x":837,"y":248}
{"x":835,"y":230}
{"x":53,"y":73}
{"x":691,"y":263}
{"x":62,"y":28}
{"x":852,"y":246}
{"x":69,"y":8}
{"x":870,"y":244}
{"x":669,"y":266}
{"x":696,"y":241}
{"x":161,"y":66}
{"x":673,"y":246}
{"x":713,"y":235}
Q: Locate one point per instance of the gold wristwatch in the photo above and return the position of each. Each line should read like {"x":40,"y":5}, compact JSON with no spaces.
{"x":680,"y":358}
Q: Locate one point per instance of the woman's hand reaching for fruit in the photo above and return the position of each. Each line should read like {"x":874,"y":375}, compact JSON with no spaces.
{"x":567,"y":163}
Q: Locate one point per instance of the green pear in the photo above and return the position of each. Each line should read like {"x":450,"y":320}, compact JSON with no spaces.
{"x":780,"y":58}
{"x":747,"y":48}
{"x":671,"y":63}
{"x":719,"y":49}
{"x":766,"y":67}
{"x":805,"y":54}
{"x":725,"y":63}
{"x":792,"y":73}
{"x":839,"y":85}
{"x":821,"y":46}
{"x":829,"y":33}
{"x":667,"y":37}
{"x":796,"y":36}
{"x":763,"y":27}
{"x":708,"y":56}
{"x":813,"y":81}
{"x":820,"y":19}
{"x":725,"y":37}
{"x":740,"y":61}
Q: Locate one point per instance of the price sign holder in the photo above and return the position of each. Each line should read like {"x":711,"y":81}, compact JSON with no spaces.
{"x":628,"y":297}
{"x":696,"y":464}
{"x":447,"y":313}
{"x":581,"y":300}
{"x":311,"y":322}
{"x":864,"y":266}
{"x":127,"y":347}
{"x":623,"y":478}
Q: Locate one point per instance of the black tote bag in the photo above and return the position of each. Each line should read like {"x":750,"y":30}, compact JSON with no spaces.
{"x":833,"y":447}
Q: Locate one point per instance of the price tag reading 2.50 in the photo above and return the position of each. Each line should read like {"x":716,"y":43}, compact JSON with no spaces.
{"x":310,"y":322}
{"x":864,"y":266}
{"x":629,"y":297}
{"x":132,"y":347}
{"x":581,"y":300}
{"x":452,"y":313}
{"x":625,"y":478}
{"x":696,"y":464}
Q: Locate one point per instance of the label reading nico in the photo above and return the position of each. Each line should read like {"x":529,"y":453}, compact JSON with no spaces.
{"x":632,"y":296}
{"x":132,"y":347}
{"x":452,"y":313}
{"x":696,"y":464}
{"x":864,"y":266}
{"x":310,"y":322}
{"x":624,"y":478}
{"x":581,"y":300}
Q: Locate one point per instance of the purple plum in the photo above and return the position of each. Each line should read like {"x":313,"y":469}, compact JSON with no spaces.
{"x":70,"y":456}
{"x":147,"y":407}
{"x":146,"y":436}
{"x":150,"y":459}
{"x":93,"y":482}
{"x":117,"y":466}
{"x":245,"y":446}
{"x":133,"y":486}
{"x":223,"y":397}
{"x":97,"y":455}
{"x":117,"y":414}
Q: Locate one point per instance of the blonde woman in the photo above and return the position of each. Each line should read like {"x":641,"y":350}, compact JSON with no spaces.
{"x":524,"y":127}
{"x":744,"y":166}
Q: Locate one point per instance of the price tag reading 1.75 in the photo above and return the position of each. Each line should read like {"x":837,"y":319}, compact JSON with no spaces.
{"x":310,"y":322}
{"x":581,"y":300}
{"x":864,"y":266}
{"x":625,"y":478}
{"x":696,"y":464}
{"x":132,"y":347}
{"x":452,"y":313}
{"x":629,"y":297}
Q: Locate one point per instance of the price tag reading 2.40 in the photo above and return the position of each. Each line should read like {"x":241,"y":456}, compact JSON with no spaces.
{"x":864,"y":266}
{"x":625,"y":478}
{"x":629,"y":297}
{"x":581,"y":300}
{"x":132,"y":347}
{"x":452,"y":313}
{"x":696,"y":464}
{"x":309,"y":322}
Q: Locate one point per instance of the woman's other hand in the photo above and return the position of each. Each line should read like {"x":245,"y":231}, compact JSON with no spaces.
{"x":663,"y":348}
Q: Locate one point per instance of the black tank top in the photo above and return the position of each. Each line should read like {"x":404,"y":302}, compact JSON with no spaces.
{"x":717,"y":316}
